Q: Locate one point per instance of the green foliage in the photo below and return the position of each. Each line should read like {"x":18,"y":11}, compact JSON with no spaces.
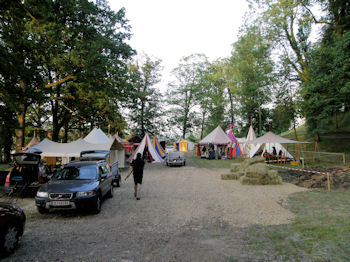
{"x":145,"y":101}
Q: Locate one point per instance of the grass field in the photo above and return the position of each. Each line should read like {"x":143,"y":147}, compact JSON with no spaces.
{"x":320,"y":231}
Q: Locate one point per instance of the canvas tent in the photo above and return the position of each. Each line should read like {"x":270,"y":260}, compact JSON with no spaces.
{"x":247,"y":147}
{"x":146,"y":143}
{"x":96,"y":136}
{"x":159,"y":149}
{"x":270,"y":140}
{"x":180,"y":144}
{"x":34,"y":141}
{"x":216,"y":137}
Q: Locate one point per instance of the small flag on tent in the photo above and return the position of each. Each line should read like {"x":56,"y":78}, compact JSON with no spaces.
{"x":232,"y":124}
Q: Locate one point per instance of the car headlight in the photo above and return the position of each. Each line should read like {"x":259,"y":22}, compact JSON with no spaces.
{"x":82,"y":194}
{"x":42,"y":194}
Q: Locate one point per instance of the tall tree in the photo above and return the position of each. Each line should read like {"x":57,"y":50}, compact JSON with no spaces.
{"x":183,"y":91}
{"x":145,"y":99}
{"x":254,"y":67}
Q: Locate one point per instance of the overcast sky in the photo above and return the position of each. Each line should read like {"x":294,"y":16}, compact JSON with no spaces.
{"x":170,"y":30}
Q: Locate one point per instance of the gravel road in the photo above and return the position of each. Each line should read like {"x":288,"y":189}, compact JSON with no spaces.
{"x":185,"y":214}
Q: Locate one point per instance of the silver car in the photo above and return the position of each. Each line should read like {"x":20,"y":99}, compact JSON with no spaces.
{"x":175,"y":159}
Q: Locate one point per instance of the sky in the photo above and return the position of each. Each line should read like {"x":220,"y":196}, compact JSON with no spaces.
{"x":170,"y":30}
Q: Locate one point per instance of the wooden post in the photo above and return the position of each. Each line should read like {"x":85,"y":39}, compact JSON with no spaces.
{"x":314,"y":158}
{"x":328,"y":182}
{"x":344,"y":159}
{"x":302,"y":162}
{"x":299,"y":152}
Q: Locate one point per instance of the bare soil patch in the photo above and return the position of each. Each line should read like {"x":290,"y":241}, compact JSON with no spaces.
{"x":185,"y":214}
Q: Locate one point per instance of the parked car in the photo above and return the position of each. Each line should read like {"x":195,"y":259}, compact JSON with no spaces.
{"x":78,"y":185}
{"x":170,"y":149}
{"x":12,"y":224}
{"x":103,"y":155}
{"x":175,"y":159}
{"x":27,"y":175}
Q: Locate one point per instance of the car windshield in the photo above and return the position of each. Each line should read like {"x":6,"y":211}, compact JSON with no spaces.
{"x":173,"y":155}
{"x":74,"y":173}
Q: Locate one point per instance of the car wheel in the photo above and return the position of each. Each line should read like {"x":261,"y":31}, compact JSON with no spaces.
{"x":111,"y":192}
{"x":118,"y":181}
{"x":97,"y":206}
{"x":43,"y":210}
{"x":9,"y":240}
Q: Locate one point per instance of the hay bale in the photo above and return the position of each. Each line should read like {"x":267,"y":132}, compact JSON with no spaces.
{"x":235,"y":167}
{"x":228,"y":177}
{"x":259,"y":168}
{"x":272,"y":174}
{"x":255,"y":160}
{"x":249,"y":181}
{"x":254,"y":175}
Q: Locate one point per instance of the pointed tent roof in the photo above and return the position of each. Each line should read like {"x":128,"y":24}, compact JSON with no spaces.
{"x":96,"y":136}
{"x":146,"y":141}
{"x":251,"y":134}
{"x":272,"y":138}
{"x":216,"y":137}
{"x":34,"y":141}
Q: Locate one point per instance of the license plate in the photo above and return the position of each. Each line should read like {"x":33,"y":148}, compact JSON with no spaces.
{"x":60,"y":203}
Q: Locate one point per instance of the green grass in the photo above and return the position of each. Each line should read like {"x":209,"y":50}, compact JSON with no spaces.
{"x":213,"y":163}
{"x":320,"y":231}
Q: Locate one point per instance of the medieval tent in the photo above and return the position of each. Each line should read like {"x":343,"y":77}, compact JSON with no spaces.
{"x":216,"y":137}
{"x":273,"y":145}
{"x":34,"y":141}
{"x":180,"y":144}
{"x":146,"y":143}
{"x":247,"y":147}
{"x":159,"y":149}
{"x":96,"y":136}
{"x":66,"y":151}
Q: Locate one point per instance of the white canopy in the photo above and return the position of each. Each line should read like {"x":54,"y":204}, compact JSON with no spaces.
{"x":146,"y":141}
{"x":272,"y":138}
{"x":216,"y":137}
{"x":96,"y":136}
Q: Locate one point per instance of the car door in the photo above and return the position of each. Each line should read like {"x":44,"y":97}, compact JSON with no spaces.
{"x":103,"y":181}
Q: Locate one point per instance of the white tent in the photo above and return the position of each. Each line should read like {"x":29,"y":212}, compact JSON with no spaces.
{"x":249,"y":148}
{"x":96,"y":136}
{"x":271,"y":140}
{"x":146,"y":142}
{"x":73,"y":149}
{"x":216,"y":137}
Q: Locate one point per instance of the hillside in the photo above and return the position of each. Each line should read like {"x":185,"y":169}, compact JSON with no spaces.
{"x":332,"y":140}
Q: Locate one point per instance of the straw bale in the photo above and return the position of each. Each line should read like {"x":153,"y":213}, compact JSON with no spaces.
{"x":235,"y":167}
{"x":254,"y":175}
{"x":259,"y":168}
{"x":272,"y":173}
{"x":249,"y":181}
{"x":228,"y":177}
{"x":255,"y":160}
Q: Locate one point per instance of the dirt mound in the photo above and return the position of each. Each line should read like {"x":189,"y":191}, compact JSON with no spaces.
{"x":338,"y":180}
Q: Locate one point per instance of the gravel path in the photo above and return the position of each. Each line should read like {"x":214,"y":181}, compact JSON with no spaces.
{"x":185,"y":214}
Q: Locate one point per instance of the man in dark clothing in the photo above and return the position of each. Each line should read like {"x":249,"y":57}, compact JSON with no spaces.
{"x":137,"y":168}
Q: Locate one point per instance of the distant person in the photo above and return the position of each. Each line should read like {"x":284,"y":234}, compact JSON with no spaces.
{"x":137,"y":169}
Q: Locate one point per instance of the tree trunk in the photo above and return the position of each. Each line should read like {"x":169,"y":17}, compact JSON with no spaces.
{"x":295,"y":131}
{"x":20,"y":131}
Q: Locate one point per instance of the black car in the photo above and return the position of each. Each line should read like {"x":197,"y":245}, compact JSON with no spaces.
{"x":78,"y":185}
{"x":12,"y":223}
{"x":27,"y":175}
{"x":90,"y":155}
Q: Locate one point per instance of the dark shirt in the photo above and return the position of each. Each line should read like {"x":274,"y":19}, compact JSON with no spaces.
{"x":138,"y":165}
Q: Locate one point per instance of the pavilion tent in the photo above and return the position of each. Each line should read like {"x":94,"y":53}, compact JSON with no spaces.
{"x":159,"y":149}
{"x":34,"y":141}
{"x":270,"y":140}
{"x":146,"y":143}
{"x":96,"y":136}
{"x":248,"y":148}
{"x":180,"y":144}
{"x":216,"y":137}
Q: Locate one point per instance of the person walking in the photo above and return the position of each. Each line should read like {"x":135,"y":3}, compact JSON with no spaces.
{"x":137,"y":169}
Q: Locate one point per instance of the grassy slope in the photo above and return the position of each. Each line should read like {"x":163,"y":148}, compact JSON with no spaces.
{"x":332,"y":139}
